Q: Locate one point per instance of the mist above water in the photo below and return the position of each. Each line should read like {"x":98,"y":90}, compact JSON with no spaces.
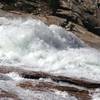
{"x":45,"y":48}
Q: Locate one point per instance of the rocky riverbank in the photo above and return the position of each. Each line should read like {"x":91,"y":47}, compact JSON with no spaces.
{"x":17,"y":83}
{"x":81,"y":15}
{"x":39,"y":82}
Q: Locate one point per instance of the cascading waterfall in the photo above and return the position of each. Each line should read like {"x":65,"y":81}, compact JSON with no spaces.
{"x":45,"y":48}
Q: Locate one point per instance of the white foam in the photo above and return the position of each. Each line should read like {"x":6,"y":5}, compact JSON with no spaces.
{"x":64,"y":94}
{"x":45,"y":48}
{"x":96,"y":95}
{"x":14,"y":76}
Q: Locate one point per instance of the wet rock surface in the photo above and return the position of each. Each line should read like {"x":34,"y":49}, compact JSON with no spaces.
{"x":44,"y":85}
{"x":4,"y":95}
{"x":47,"y":86}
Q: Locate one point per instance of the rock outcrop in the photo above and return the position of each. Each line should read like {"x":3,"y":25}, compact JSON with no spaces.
{"x":28,"y":6}
{"x":76,"y":11}
{"x":81,"y":13}
{"x":38,"y":83}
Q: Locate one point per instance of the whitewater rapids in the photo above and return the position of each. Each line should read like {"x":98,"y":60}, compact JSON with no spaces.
{"x":33,"y":45}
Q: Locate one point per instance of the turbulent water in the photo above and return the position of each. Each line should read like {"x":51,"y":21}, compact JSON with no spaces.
{"x":36,"y":46}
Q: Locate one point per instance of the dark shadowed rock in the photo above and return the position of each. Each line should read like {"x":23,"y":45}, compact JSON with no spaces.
{"x":92,"y":24}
